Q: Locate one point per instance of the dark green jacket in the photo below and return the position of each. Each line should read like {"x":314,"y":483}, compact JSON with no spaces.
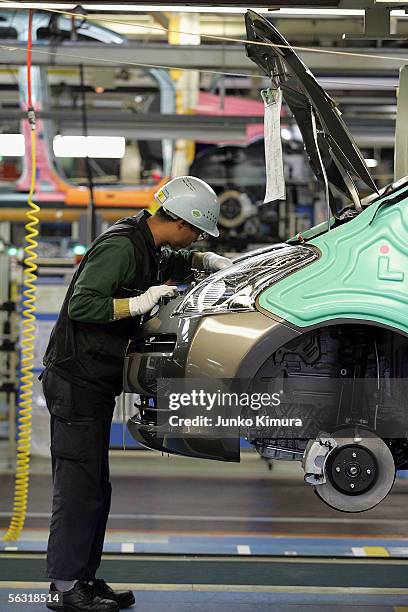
{"x":92,"y":298}
{"x":87,"y":346}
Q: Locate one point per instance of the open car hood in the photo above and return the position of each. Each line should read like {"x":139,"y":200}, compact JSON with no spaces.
{"x":334,"y":156}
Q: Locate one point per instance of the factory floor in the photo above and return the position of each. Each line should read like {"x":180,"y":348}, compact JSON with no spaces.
{"x":160,"y":496}
{"x":193,"y":509}
{"x":208,"y":601}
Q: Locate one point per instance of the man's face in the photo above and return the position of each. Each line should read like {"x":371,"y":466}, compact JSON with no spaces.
{"x":183,"y":234}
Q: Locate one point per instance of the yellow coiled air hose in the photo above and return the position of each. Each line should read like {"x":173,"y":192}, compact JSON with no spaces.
{"x":27,"y":343}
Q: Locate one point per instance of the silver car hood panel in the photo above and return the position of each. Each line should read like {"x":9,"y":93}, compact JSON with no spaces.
{"x":341,"y":157}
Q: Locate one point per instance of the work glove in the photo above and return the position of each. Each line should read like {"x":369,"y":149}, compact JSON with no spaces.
{"x":144,"y":303}
{"x":214,"y":262}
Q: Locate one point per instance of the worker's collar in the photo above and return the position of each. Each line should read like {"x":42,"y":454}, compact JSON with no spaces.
{"x":144,"y":216}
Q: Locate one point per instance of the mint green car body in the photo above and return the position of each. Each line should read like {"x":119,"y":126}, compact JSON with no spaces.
{"x":362,"y":273}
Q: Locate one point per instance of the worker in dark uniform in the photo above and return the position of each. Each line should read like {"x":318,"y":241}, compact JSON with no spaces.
{"x":121,"y":277}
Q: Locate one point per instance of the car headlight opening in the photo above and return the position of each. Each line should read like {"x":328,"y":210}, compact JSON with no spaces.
{"x":235,"y":289}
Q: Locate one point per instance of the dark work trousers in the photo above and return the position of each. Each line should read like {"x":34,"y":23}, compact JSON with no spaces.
{"x":81,"y":487}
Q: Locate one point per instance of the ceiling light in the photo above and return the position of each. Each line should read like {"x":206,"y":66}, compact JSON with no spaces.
{"x":147,"y":8}
{"x":302,"y":12}
{"x":225,"y":9}
{"x":371,"y":163}
{"x":305,"y":12}
{"x":126,"y":8}
{"x":38,"y":5}
{"x":89,"y":146}
{"x":286,"y":134}
{"x":79,"y":249}
{"x":12,"y":145}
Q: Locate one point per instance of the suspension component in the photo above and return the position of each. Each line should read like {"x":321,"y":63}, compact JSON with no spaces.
{"x":314,"y":458}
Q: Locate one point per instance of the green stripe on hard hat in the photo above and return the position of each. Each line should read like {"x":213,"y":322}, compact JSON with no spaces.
{"x":192,"y":200}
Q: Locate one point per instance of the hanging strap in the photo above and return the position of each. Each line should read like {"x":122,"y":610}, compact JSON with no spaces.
{"x":275,"y":180}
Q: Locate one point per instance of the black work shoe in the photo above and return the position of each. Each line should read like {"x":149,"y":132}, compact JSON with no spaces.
{"x":124,"y":599}
{"x":79,"y":599}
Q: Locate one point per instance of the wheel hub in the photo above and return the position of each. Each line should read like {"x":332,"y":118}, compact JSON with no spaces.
{"x":352,"y":469}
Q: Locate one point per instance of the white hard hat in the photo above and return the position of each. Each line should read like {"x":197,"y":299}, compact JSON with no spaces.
{"x":191,"y":199}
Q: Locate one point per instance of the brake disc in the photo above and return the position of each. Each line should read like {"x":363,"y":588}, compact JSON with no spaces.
{"x":358,"y":471}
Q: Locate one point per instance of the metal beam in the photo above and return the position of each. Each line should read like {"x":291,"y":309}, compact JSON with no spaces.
{"x":151,"y":126}
{"x":377,"y":24}
{"x":401,"y":129}
{"x":67,"y":115}
{"x":376,"y":131}
{"x":228,"y":58}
